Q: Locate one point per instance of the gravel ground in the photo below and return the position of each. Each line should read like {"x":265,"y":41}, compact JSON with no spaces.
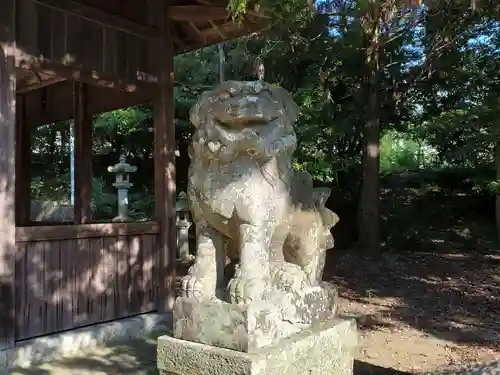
{"x":420,"y":312}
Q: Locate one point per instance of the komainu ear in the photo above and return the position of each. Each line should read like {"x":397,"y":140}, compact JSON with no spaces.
{"x":321,"y":195}
{"x":198,"y":111}
{"x":291,"y":110}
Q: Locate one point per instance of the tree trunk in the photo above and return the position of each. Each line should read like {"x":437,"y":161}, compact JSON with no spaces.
{"x":497,"y":200}
{"x":368,"y":214}
{"x":222,"y":63}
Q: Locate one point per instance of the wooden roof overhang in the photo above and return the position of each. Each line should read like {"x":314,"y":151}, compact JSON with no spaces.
{"x":109,"y":44}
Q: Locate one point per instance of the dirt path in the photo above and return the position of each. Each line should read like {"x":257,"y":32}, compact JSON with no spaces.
{"x":421,"y":312}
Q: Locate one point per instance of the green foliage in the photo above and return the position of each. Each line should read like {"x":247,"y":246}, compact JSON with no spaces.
{"x":400,"y":151}
{"x":438,"y":98}
{"x":104,"y":202}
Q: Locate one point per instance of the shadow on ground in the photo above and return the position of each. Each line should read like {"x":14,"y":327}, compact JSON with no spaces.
{"x":365,"y":368}
{"x":136,"y":357}
{"x":440,"y":269}
{"x":455,"y":297}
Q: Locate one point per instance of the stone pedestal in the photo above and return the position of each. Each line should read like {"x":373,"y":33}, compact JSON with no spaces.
{"x":269,"y":313}
{"x":327,"y":348}
{"x":247,"y":328}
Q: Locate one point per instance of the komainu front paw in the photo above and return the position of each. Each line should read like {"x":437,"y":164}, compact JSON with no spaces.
{"x":196,"y":287}
{"x":245,"y":290}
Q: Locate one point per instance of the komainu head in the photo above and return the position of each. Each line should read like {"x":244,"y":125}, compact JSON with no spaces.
{"x":237,"y":104}
{"x":244,"y":119}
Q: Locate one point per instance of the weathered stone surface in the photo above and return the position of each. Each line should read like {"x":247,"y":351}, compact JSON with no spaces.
{"x":249,"y":327}
{"x":246,"y":200}
{"x":249,"y":206}
{"x":225,"y":325}
{"x":326,"y":349}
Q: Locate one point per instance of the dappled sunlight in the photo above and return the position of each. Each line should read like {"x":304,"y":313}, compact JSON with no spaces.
{"x":455,"y":299}
{"x":134,"y":356}
{"x":91,"y":278}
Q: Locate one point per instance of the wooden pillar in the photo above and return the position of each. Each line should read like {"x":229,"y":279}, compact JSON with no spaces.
{"x":83,"y":155}
{"x":7,"y":173}
{"x":164,"y":159}
{"x":23,"y":163}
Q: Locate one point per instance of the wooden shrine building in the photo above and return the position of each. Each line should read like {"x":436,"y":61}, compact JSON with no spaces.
{"x":62,"y":59}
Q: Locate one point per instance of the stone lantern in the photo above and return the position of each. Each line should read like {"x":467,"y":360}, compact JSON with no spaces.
{"x":122,"y":184}
{"x":183,"y":224}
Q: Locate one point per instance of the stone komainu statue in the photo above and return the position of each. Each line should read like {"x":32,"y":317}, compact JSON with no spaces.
{"x":251,"y":207}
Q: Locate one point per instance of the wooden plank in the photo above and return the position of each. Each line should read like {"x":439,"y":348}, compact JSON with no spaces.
{"x":35,"y":300}
{"x":27,"y":16}
{"x":57,"y":287}
{"x":23,"y":161}
{"x":136,"y":293}
{"x":75,"y":41}
{"x":104,"y":18}
{"x":132,"y":57}
{"x":64,"y":284}
{"x":164,"y":159}
{"x":110,"y":275}
{"x":68,"y":259}
{"x":144,"y":66}
{"x":83,"y":156}
{"x":8,"y":21}
{"x":21,"y":289}
{"x":154,"y":9}
{"x":121,"y":55}
{"x":93,"y":46}
{"x":122,"y":254}
{"x":137,"y":58}
{"x":81,"y":273}
{"x":148,"y":282}
{"x":109,"y":51}
{"x":43,"y":271}
{"x":7,"y":176}
{"x":44,"y":34}
{"x":95,"y":281}
{"x":58,"y":36}
{"x":65,"y":232}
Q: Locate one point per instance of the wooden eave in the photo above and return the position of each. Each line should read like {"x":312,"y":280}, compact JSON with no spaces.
{"x":195,"y":24}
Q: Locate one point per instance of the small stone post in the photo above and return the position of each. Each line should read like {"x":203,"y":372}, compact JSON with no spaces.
{"x":122,"y":184}
{"x":183,"y":224}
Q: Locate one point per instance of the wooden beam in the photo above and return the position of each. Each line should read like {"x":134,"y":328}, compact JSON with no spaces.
{"x":164,"y":159}
{"x":68,"y":232}
{"x":193,"y":30}
{"x":28,"y":62}
{"x":209,"y":36}
{"x":196,"y":13}
{"x":39,"y":85}
{"x":83,"y":156}
{"x":59,"y":102}
{"x":218,"y":30}
{"x":23,"y":162}
{"x":231,"y":31}
{"x":102,"y":17}
{"x":7,"y":174}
